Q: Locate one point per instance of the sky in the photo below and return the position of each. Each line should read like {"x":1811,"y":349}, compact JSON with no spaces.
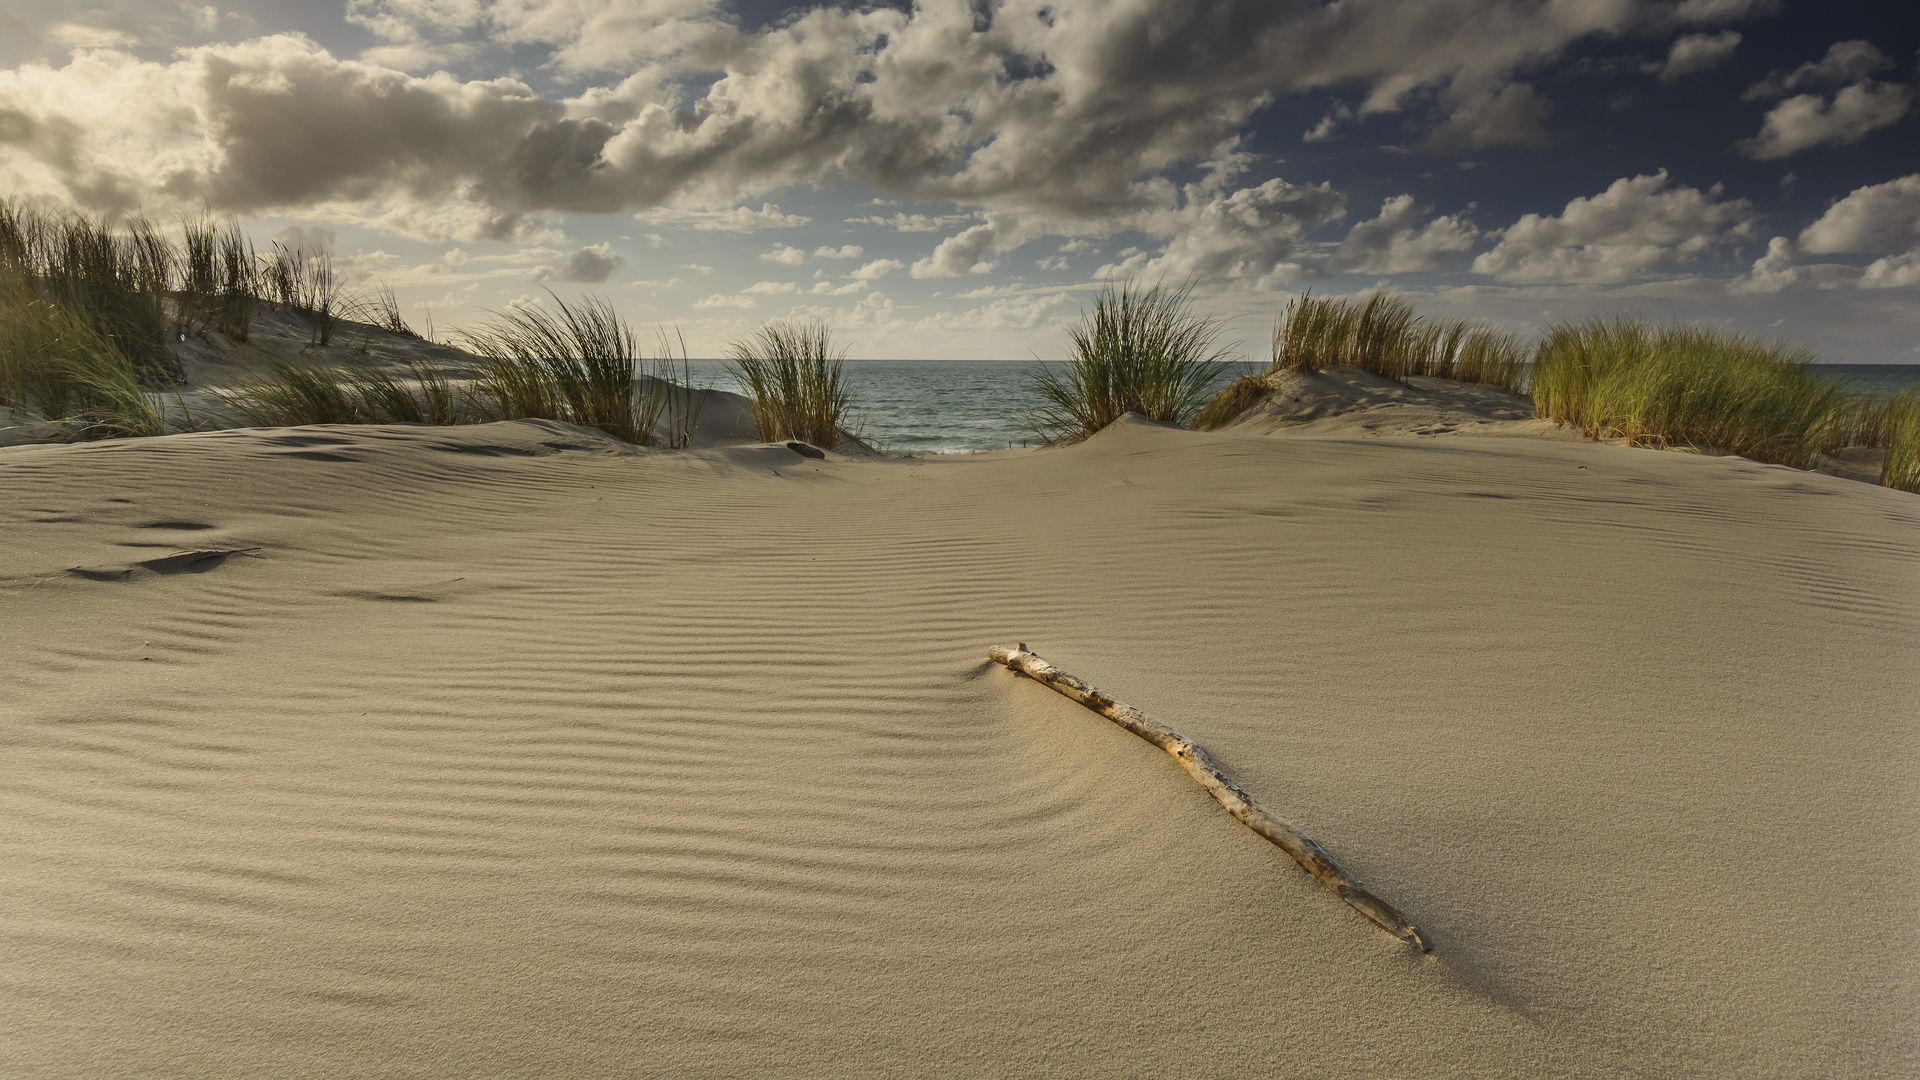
{"x":955,"y":179}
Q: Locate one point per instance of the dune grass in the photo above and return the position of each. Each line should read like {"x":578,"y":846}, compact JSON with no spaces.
{"x":1672,"y":386}
{"x":1139,"y":350}
{"x":1383,"y":334}
{"x":83,"y":326}
{"x":580,"y":365}
{"x":1901,"y":467}
{"x":1235,"y":398}
{"x":285,"y":394}
{"x":791,"y":374}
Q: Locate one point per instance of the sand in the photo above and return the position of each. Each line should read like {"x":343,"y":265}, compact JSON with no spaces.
{"x":511,"y":751}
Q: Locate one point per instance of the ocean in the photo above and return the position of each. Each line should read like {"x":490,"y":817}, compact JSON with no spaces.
{"x":965,"y":406}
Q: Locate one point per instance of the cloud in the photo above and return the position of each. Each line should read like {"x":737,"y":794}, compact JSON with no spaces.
{"x":771,"y":288}
{"x":1392,"y":243}
{"x":1892,"y":272}
{"x":1634,"y":227}
{"x":1879,"y":219}
{"x":589,"y":266}
{"x":1805,"y":121}
{"x":1693,"y":53}
{"x":1010,"y":313}
{"x":785,"y":255}
{"x":1510,"y":116}
{"x":722,"y":300}
{"x":828,"y":288}
{"x":1845,"y":62}
{"x":1771,"y":272}
{"x":845,"y":251}
{"x":878,"y":269}
{"x":911,"y":223}
{"x":740,"y":219}
{"x":1074,"y":122}
{"x":1809,"y":120}
{"x":1243,"y":237}
{"x":582,"y":36}
{"x":1871,"y":220}
{"x":958,"y":255}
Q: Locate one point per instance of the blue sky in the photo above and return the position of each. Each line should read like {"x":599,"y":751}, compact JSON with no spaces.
{"x":954,"y":179}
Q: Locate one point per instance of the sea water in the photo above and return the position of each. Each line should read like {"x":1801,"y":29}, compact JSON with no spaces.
{"x":966,"y":406}
{"x":939,"y":406}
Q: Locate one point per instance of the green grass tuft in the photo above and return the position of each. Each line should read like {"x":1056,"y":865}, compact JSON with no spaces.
{"x":1142,"y":351}
{"x":1901,"y":437}
{"x":578,"y":366}
{"x":792,"y":375}
{"x":1237,"y":397}
{"x":1687,"y":386}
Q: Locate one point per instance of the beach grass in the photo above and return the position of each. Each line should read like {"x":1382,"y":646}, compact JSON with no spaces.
{"x":1381,"y":334}
{"x":791,"y":374}
{"x":1897,"y":418}
{"x":579,"y":366}
{"x":286,"y":394}
{"x":1140,"y":350}
{"x":1235,"y":398}
{"x":1681,"y":386}
{"x":1384,"y":335}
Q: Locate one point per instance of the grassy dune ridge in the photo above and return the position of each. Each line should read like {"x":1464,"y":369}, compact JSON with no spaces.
{"x":89,"y":315}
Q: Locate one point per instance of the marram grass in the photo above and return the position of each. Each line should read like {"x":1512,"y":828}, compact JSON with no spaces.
{"x":578,"y":365}
{"x":1142,"y":351}
{"x":1676,"y":386}
{"x":1382,"y":334}
{"x":283,"y":394}
{"x":792,"y":376}
{"x":1901,"y":466}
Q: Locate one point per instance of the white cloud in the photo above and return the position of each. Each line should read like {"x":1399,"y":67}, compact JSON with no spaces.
{"x":785,"y":255}
{"x":1809,"y":120}
{"x":1395,"y":243}
{"x":1892,"y":272}
{"x":828,"y":288}
{"x":1871,"y":220}
{"x":1805,"y":121}
{"x":964,"y":253}
{"x":1073,"y":122}
{"x":84,"y":35}
{"x":845,"y":251}
{"x":1634,"y":227}
{"x":878,"y":269}
{"x":583,"y":35}
{"x":1879,"y":219}
{"x":1245,"y":237}
{"x":1845,"y":62}
{"x":1010,"y":313}
{"x":1338,"y":114}
{"x":590,"y":265}
{"x":771,"y":288}
{"x":740,"y":219}
{"x":1693,"y":53}
{"x":721,"y":300}
{"x":911,"y":223}
{"x":1771,"y":272}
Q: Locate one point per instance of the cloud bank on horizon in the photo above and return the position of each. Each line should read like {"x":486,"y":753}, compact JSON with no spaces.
{"x":947,"y":178}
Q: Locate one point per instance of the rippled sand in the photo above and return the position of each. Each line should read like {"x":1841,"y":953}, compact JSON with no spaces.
{"x":505,"y":751}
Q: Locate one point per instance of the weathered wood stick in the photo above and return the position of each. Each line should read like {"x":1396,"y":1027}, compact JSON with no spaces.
{"x":1193,"y":758}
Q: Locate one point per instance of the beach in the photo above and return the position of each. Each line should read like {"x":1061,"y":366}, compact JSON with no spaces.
{"x":512,"y":750}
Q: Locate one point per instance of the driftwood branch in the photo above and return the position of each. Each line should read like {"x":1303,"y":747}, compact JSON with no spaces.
{"x":1193,"y":758}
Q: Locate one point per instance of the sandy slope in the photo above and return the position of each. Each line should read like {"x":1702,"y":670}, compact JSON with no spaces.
{"x":512,"y":751}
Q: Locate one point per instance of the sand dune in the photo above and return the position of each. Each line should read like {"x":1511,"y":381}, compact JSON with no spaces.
{"x":511,"y":750}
